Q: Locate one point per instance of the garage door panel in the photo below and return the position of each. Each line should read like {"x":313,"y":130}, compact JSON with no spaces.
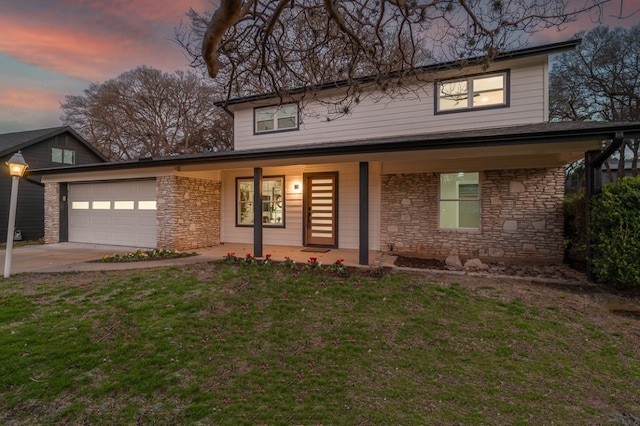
{"x":117,"y":220}
{"x":82,"y":220}
{"x":125,"y":220}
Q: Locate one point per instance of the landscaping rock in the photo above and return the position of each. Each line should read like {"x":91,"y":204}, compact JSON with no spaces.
{"x":475,"y":265}
{"x":453,"y":263}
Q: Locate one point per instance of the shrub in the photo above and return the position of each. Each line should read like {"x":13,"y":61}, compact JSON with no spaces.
{"x":615,"y":227}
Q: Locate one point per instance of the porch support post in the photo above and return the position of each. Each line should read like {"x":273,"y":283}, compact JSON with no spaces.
{"x":364,"y":214}
{"x":593,"y":162}
{"x":257,"y":212}
{"x":593,"y":183}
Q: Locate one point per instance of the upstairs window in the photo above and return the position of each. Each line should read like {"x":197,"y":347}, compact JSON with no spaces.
{"x":271,"y":211}
{"x":276,"y":118}
{"x":63,"y":156}
{"x":459,"y":201}
{"x":489,"y":90}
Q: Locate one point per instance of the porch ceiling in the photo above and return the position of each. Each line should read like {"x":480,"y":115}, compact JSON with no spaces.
{"x":460,"y":159}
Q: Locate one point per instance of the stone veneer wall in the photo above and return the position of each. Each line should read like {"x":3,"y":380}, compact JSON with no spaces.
{"x":188,"y":213}
{"x":521,"y":217}
{"x":51,"y":213}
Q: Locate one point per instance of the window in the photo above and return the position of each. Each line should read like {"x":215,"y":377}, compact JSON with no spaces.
{"x":63,"y":156}
{"x":101,"y":205}
{"x":272,"y":209}
{"x":275,"y":118}
{"x":459,"y":201}
{"x":147,"y":205}
{"x":472,"y":92}
{"x":123,"y":205}
{"x":80,"y":205}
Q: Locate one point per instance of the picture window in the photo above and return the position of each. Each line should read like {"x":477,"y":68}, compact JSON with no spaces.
{"x":273,"y":200}
{"x":459,"y":202}
{"x":473,"y":92}
{"x":276,"y":118}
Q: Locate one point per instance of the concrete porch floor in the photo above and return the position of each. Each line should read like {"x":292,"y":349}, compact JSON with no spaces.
{"x":69,"y":257}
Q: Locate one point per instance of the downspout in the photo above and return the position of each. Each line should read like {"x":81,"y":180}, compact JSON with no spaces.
{"x":226,"y":109}
{"x":593,"y":164}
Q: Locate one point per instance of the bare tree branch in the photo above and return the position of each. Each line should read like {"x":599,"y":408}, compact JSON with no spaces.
{"x":274,"y":46}
{"x":144,"y":112}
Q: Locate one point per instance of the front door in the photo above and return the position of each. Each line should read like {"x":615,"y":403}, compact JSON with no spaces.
{"x":320,"y":206}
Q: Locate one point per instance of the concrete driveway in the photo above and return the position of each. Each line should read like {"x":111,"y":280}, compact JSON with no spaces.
{"x":67,"y":257}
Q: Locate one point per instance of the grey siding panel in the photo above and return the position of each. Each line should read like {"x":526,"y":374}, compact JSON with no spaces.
{"x":30,"y":207}
{"x":410,"y":114}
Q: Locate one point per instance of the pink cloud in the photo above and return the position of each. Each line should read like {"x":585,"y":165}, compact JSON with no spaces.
{"x":96,"y":40}
{"x":615,"y":13}
{"x":32,"y":99}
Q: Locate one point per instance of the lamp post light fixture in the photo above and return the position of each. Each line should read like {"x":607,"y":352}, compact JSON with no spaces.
{"x":17,"y":166}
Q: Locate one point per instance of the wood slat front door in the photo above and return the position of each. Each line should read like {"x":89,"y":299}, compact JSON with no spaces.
{"x":320,"y":220}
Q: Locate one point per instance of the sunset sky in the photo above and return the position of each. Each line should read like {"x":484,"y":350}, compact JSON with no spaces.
{"x":53,"y":48}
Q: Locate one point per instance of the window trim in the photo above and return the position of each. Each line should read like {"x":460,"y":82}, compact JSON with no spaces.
{"x":276,"y":130}
{"x":479,"y":200}
{"x":469,"y":79}
{"x":284,"y":202}
{"x":62,"y":153}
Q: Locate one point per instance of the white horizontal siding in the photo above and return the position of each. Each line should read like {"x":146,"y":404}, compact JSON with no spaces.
{"x":291,"y":235}
{"x":407,"y":115}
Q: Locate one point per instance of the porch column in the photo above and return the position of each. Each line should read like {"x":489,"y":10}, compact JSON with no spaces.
{"x":593,"y":162}
{"x":593,"y":184}
{"x":257,"y":212}
{"x":364,"y":214}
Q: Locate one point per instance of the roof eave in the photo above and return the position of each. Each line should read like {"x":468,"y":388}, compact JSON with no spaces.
{"x":417,"y":143}
{"x":547,"y":49}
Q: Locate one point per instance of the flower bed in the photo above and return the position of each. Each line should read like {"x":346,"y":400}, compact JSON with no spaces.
{"x":312,"y":264}
{"x":145,"y":255}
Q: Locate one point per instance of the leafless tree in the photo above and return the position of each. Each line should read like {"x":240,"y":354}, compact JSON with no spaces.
{"x":275,"y":46}
{"x":599,"y":81}
{"x":147,"y":113}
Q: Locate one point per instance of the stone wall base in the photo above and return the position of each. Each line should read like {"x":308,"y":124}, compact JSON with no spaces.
{"x":521,"y":217}
{"x":188,"y":213}
{"x":51,"y":213}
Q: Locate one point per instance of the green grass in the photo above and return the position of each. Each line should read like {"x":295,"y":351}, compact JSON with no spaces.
{"x":226,"y":344}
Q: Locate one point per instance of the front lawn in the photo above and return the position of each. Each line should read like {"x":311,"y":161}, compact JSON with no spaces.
{"x":264,"y":344}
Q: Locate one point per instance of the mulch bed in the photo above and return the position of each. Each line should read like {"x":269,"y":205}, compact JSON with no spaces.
{"x":559,"y":272}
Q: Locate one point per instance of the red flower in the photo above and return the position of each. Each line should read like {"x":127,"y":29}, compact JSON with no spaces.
{"x":268,"y":256}
{"x":248,"y":255}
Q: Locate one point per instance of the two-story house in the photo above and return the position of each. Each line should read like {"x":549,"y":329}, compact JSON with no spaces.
{"x":466,"y":165}
{"x":51,"y":147}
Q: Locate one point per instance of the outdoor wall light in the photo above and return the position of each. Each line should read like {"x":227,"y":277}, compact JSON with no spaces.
{"x":297,"y":187}
{"x":17,"y":166}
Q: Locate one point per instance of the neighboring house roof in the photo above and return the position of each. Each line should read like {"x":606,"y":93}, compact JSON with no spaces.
{"x":547,"y":49}
{"x":12,"y":142}
{"x":538,"y":133}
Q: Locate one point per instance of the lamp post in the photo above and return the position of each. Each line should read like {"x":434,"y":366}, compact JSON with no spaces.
{"x":17,"y":166}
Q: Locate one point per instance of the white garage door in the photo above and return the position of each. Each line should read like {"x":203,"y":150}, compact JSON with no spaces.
{"x":118,"y":213}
